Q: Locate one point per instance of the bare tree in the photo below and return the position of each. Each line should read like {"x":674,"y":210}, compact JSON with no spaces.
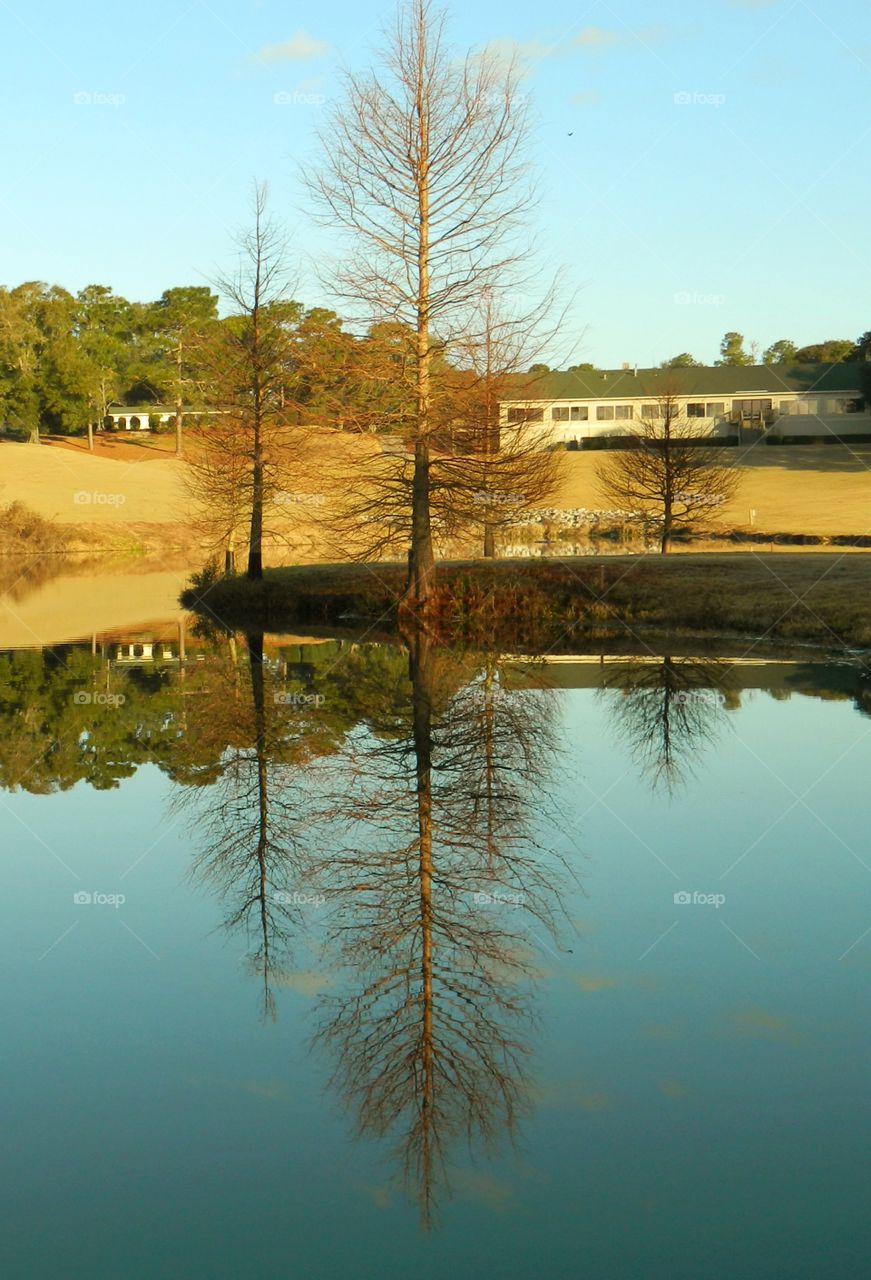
{"x":670,"y":482}
{"x":242,"y":472}
{"x":424,"y":169}
{"x":500,"y":468}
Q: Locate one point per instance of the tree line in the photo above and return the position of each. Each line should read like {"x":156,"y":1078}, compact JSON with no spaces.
{"x":735,"y":351}
{"x":66,"y":358}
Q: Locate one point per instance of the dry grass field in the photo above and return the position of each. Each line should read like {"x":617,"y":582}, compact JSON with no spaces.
{"x":821,"y":490}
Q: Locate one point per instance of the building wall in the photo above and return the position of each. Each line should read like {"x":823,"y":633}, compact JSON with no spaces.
{"x":795,"y":413}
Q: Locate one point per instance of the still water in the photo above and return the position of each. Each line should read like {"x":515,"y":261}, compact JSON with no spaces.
{"x":332,"y":959}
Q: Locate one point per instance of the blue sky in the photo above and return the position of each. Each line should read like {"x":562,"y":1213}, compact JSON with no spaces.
{"x":703,"y":166}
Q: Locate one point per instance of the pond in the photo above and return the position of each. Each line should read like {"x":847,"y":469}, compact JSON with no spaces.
{"x":323,"y":957}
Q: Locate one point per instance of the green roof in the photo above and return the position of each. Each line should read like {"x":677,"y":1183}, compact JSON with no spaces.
{"x":717,"y":380}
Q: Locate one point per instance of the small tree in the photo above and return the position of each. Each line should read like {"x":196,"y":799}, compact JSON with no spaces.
{"x":682,"y":361}
{"x":666,"y":480}
{"x":255,"y":446}
{"x":732,"y":350}
{"x":505,"y":466}
{"x":182,"y":315}
{"x":783,"y":351}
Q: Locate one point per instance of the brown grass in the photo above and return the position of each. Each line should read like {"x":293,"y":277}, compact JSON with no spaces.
{"x":823,"y":599}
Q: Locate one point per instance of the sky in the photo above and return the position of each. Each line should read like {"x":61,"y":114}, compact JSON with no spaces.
{"x":701,"y":165}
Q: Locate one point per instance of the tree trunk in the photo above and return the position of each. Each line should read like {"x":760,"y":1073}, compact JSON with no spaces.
{"x":255,"y":543}
{"x":421,"y":559}
{"x":421,"y":672}
{"x":489,"y":541}
{"x":178,"y":399}
{"x":90,"y":436}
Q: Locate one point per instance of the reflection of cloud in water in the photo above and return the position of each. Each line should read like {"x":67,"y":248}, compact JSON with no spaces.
{"x":265,"y":1089}
{"x":759,"y":1024}
{"x":378,"y":1194}
{"x":575,"y":1093}
{"x":306,"y":982}
{"x":595,"y":982}
{"x":484,"y":1189}
{"x":661,"y":1031}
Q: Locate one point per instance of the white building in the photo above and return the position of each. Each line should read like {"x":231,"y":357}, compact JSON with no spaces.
{"x":825,"y":400}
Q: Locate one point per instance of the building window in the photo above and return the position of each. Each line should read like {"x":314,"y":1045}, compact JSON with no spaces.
{"x":624,"y":411}
{"x":604,"y":413}
{"x":843,"y":406}
{"x":516,"y":416}
{"x":651,"y":411}
{"x":580,"y":413}
{"x":695,"y":410}
{"x":715,"y":409}
{"x":559,"y":413}
{"x":751,"y":410}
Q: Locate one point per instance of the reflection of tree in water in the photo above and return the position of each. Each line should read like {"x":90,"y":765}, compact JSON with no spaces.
{"x":432,"y":891}
{"x":250,"y":820}
{"x":249,"y":760}
{"x":668,"y":711}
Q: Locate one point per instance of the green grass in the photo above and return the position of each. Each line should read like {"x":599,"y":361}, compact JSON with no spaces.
{"x":822,"y":599}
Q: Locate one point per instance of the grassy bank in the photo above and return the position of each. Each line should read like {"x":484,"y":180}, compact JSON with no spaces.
{"x":810,"y":598}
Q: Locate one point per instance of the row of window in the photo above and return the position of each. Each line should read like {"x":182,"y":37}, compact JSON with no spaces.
{"x":694,"y":409}
{"x":806,"y":408}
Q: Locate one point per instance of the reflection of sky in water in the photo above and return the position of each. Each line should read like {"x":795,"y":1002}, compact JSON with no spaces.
{"x":699,"y":1071}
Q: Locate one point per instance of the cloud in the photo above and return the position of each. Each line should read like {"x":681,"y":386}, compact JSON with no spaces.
{"x":506,"y":53}
{"x":299,"y":48}
{"x":598,"y":38}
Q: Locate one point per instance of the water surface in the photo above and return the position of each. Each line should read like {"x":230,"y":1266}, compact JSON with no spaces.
{"x":328,"y":959}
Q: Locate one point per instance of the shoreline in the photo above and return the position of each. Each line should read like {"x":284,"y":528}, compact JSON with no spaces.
{"x":815,"y":598}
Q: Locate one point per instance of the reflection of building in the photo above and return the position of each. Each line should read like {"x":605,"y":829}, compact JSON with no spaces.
{"x":824,"y":400}
{"x":779,"y":677}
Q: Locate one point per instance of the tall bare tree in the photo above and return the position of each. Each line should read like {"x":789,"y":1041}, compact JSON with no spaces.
{"x":669,"y":482}
{"x":424,"y":169}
